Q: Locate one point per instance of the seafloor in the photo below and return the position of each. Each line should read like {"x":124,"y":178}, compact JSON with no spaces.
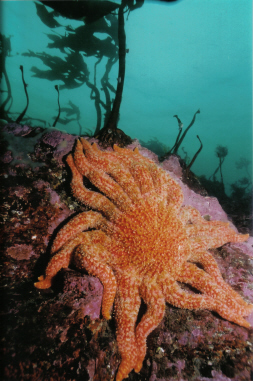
{"x":58,"y":334}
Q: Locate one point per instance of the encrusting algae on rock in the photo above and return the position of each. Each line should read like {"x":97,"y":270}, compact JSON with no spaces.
{"x":142,"y":243}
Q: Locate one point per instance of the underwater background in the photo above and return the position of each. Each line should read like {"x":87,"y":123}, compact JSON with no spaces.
{"x":181,"y":57}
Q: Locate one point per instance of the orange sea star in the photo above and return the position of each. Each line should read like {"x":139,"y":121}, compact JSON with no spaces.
{"x":142,"y":243}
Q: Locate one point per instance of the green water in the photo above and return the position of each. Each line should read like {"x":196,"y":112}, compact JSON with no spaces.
{"x":183,"y":56}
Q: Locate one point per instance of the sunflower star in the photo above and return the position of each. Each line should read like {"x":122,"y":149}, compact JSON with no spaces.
{"x":142,"y":243}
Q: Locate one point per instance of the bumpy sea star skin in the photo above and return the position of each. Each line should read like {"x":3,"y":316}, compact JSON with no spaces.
{"x":142,"y":243}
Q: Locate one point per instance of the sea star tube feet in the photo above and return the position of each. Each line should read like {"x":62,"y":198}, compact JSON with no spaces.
{"x":140,"y":242}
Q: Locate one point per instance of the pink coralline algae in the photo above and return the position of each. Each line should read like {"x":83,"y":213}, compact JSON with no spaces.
{"x":172,"y":165}
{"x":85,"y":293}
{"x":53,"y":138}
{"x":20,"y":252}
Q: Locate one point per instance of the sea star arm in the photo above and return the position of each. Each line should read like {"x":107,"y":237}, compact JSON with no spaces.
{"x":92,"y":199}
{"x":228,"y":234}
{"x":60,"y":260}
{"x":93,"y":258}
{"x":177,"y":297}
{"x":88,"y":255}
{"x":100,"y":179}
{"x":205,"y":228}
{"x":210,"y":266}
{"x":138,"y":169}
{"x":182,"y":299}
{"x":175,"y":194}
{"x":217,"y":236}
{"x":79,"y":223}
{"x":127,"y":306}
{"x":164,"y":184}
{"x":190,"y":214}
{"x":111,"y":164}
{"x":226,"y":306}
{"x":214,"y":233}
{"x":151,"y":178}
{"x":153,"y":297}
